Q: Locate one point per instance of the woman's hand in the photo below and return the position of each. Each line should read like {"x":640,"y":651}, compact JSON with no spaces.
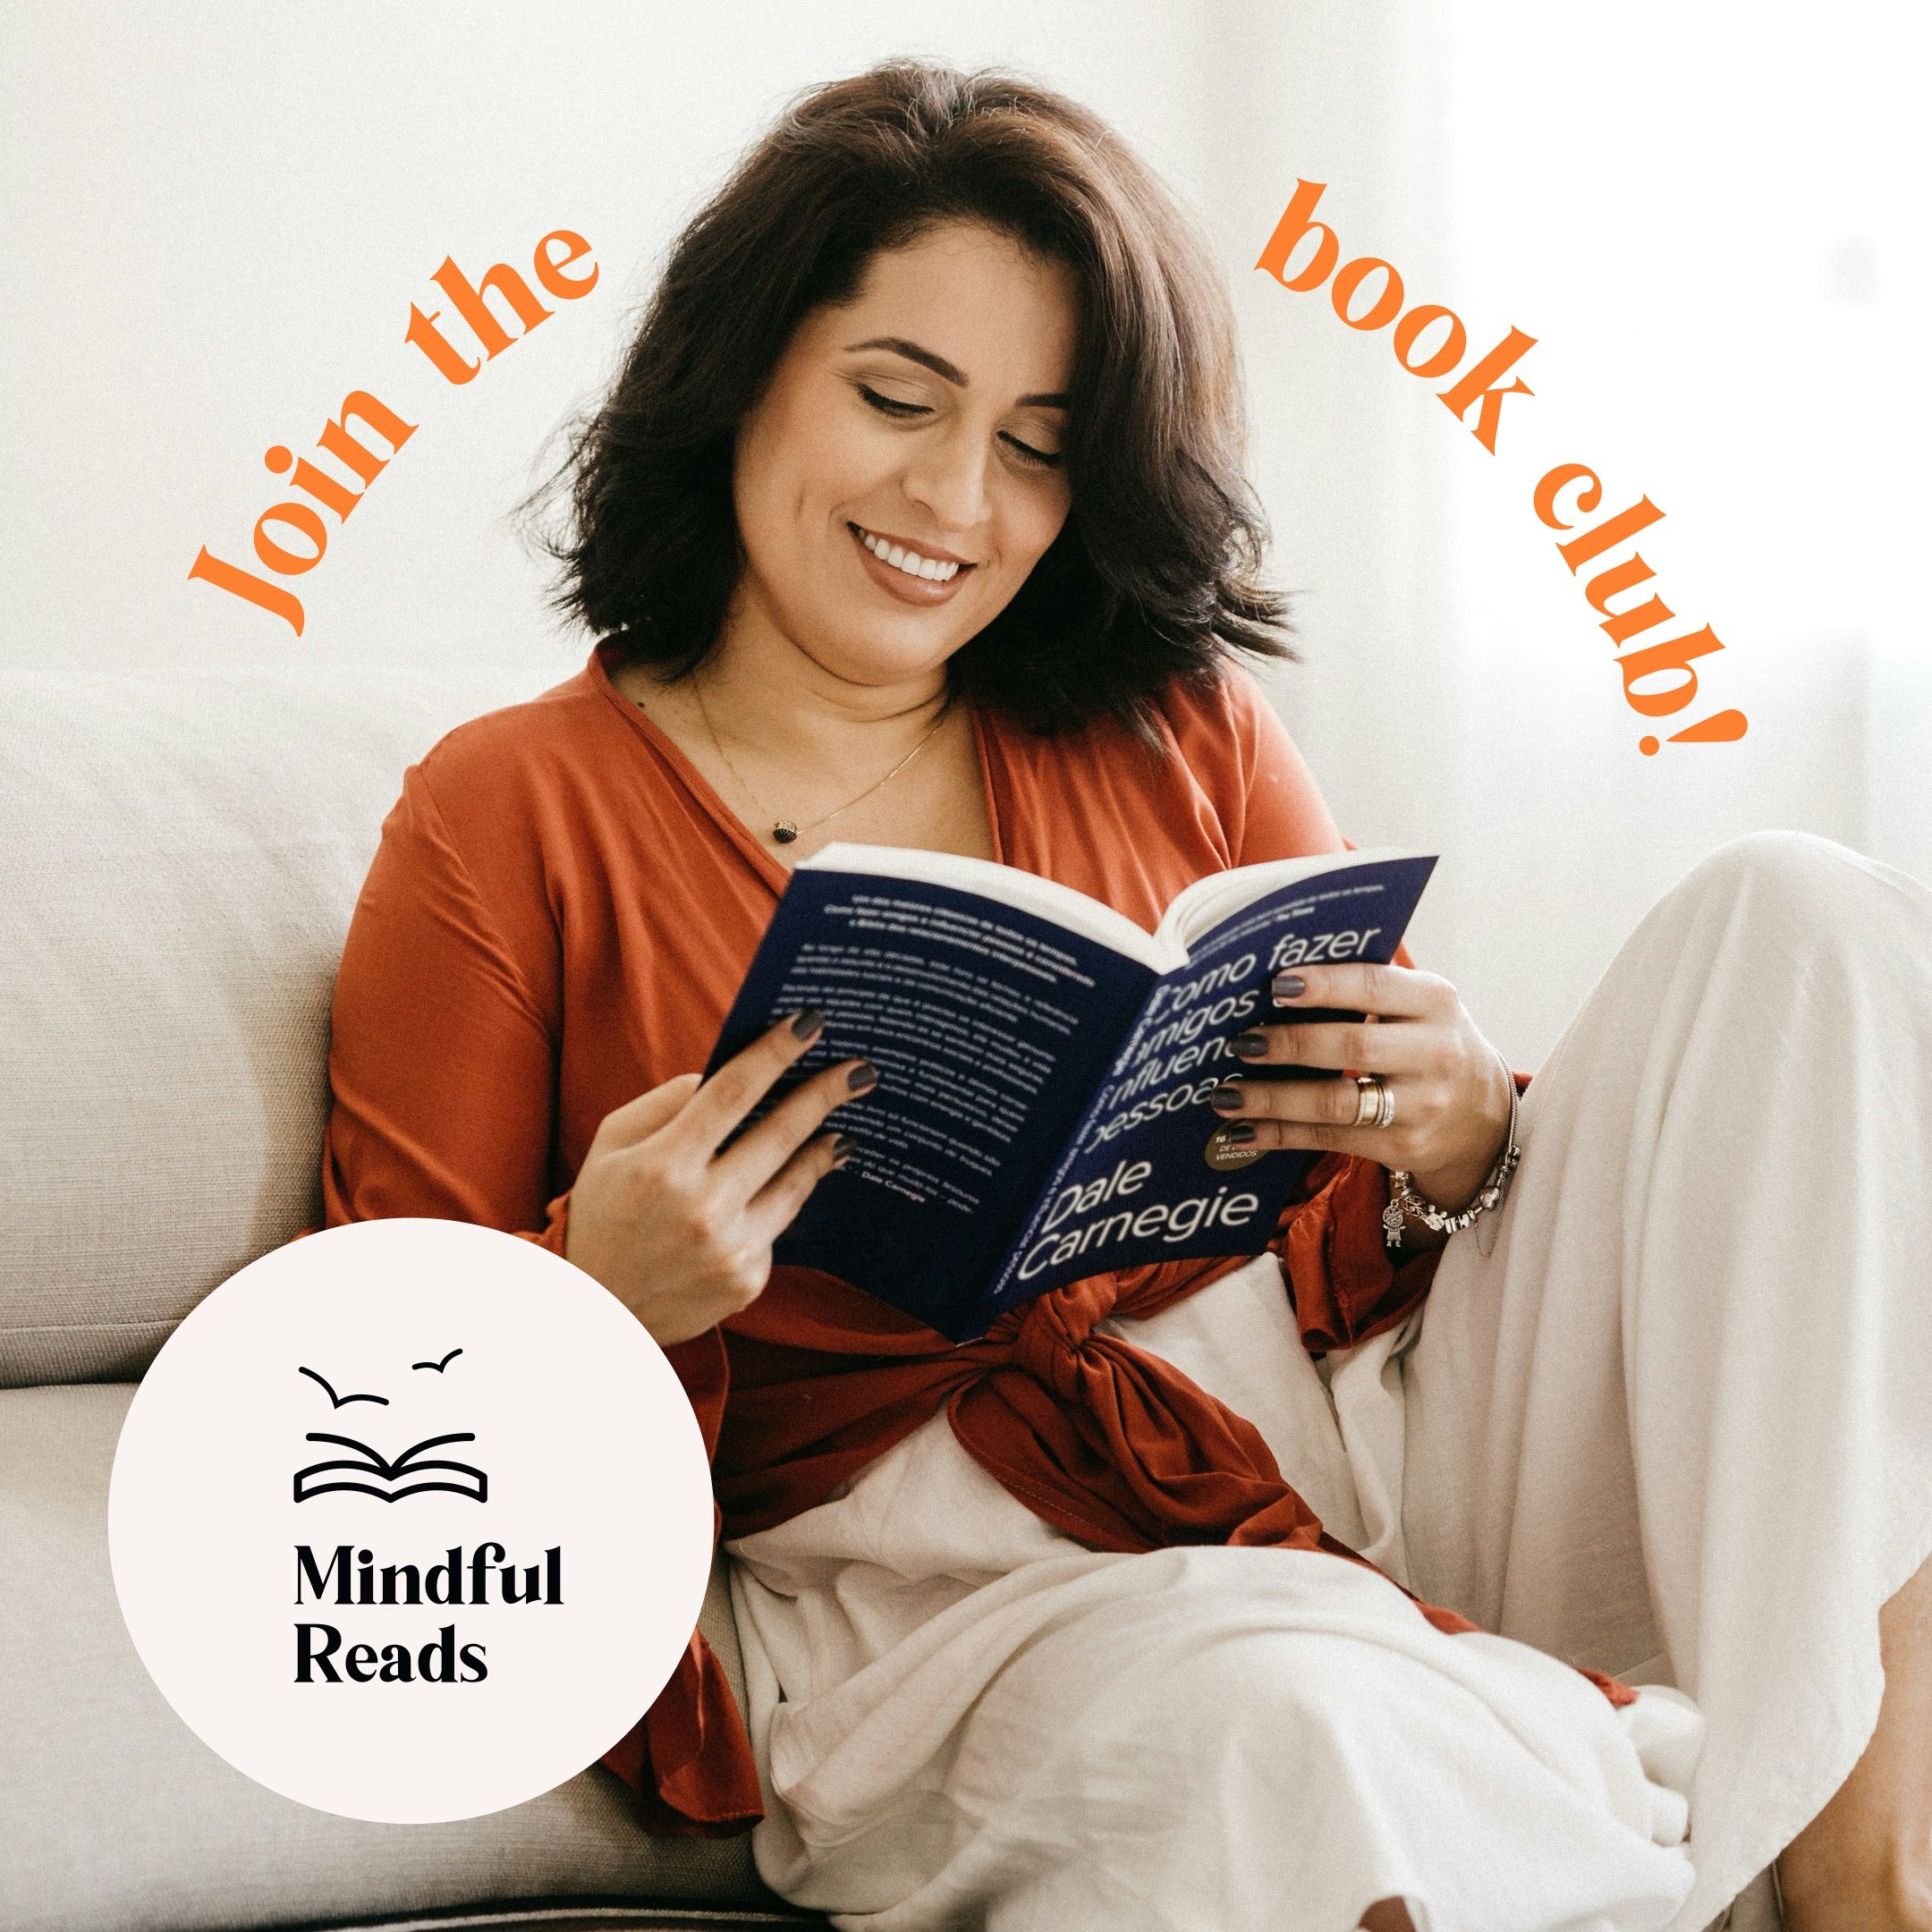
{"x":681,"y":1233}
{"x":1451,"y":1090}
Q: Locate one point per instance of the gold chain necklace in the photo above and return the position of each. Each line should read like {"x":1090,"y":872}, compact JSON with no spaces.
{"x":784,"y":830}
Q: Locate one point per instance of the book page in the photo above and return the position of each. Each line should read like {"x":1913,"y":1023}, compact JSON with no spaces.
{"x":1197,"y":910}
{"x":1011,"y":885}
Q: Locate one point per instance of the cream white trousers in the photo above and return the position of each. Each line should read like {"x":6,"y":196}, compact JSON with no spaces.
{"x":1668,"y":1414}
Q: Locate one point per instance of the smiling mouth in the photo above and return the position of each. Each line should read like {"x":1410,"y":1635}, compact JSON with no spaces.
{"x":909,"y":563}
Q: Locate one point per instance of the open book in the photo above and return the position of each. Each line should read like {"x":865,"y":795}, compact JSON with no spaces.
{"x":374,"y":1474}
{"x":1042,"y":1110}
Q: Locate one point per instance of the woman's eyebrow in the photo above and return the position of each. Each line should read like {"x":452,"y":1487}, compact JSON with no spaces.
{"x":940,"y":366}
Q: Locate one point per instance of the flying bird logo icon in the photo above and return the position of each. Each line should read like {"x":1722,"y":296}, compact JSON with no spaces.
{"x":342,"y":1400}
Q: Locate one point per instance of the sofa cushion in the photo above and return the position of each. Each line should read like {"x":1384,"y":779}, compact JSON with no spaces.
{"x":114,"y":1814}
{"x":179,"y":856}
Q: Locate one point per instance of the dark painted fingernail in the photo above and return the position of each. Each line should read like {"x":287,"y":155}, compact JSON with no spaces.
{"x":862,"y":1076}
{"x":1248,"y":1046}
{"x":1237,"y":1134}
{"x":807,"y":1021}
{"x":1225,"y":1098}
{"x":1289,"y":985}
{"x":842,"y":1149}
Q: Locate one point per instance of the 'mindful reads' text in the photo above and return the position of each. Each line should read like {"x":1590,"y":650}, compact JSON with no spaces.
{"x":352,"y":1577}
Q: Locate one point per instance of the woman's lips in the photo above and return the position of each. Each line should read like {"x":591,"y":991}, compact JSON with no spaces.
{"x":907,"y":590}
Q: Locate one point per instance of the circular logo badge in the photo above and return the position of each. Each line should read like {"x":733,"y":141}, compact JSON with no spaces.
{"x":411,"y":1521}
{"x":1221,"y":1154}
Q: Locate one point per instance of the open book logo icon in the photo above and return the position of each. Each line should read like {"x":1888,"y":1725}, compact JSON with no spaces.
{"x":374,"y":1474}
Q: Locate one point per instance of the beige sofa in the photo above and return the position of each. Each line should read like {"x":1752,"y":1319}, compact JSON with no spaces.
{"x":179,"y":854}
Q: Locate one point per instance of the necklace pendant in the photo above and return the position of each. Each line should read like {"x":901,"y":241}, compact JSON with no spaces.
{"x":783,"y":832}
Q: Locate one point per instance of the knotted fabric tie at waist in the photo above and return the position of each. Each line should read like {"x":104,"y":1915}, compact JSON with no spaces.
{"x":1107,"y":1441}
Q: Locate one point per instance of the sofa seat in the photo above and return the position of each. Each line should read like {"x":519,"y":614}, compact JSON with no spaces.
{"x":115,"y":1818}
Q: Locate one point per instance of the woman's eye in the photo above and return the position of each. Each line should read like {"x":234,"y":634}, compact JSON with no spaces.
{"x":891,"y":406}
{"x":1047,"y":460}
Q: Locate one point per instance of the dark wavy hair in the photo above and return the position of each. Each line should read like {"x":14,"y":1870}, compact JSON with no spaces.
{"x":1154,"y":573}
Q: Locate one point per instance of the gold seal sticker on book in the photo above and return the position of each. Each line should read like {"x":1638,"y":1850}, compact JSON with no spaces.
{"x":1222,"y":1153}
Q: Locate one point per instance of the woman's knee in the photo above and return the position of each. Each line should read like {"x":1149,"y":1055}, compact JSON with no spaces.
{"x":1796,"y":863}
{"x":1799,"y":883}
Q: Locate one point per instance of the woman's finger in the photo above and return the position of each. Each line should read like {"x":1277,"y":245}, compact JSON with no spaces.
{"x":761,"y":1151}
{"x":638,"y":1118}
{"x":774,"y":1207}
{"x":1325,"y":1103}
{"x":1323,"y":1115}
{"x":1401,"y":992}
{"x":1361,"y":1046}
{"x":1370,"y":1143}
{"x":742,"y":1081}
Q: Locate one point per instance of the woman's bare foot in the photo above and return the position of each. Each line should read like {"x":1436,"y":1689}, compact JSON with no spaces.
{"x":1388,"y":1915}
{"x":1864,"y":1863}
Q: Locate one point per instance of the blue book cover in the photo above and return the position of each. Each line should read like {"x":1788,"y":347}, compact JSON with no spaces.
{"x":1045,"y":1063}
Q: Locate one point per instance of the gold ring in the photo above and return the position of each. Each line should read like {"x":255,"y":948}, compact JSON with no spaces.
{"x":1371,"y":1096}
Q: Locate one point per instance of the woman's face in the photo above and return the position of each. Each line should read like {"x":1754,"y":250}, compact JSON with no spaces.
{"x":928,"y":413}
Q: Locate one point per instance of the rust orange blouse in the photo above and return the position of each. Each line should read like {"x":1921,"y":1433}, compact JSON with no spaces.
{"x":557,"y":918}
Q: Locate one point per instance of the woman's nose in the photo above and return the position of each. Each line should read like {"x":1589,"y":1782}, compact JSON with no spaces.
{"x":948,"y":478}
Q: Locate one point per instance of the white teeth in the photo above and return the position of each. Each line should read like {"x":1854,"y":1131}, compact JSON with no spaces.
{"x":909,"y":561}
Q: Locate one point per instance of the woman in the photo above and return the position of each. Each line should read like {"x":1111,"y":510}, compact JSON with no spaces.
{"x":915,"y":516}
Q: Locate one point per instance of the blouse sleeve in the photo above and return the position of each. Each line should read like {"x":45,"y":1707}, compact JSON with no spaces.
{"x":1344,"y":1286}
{"x":441,"y":1062}
{"x":442,"y":1077}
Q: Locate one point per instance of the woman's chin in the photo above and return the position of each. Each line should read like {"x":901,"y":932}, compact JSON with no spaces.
{"x":885,"y":662}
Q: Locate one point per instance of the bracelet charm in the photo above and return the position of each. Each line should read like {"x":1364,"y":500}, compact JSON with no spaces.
{"x":1405,"y":1201}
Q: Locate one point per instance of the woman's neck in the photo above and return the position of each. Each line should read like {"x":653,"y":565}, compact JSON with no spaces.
{"x":794,"y":719}
{"x":782,"y":739}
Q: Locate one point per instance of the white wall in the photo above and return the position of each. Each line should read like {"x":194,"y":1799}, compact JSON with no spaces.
{"x":1713,"y":220}
{"x":219,"y":220}
{"x":220,"y":231}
